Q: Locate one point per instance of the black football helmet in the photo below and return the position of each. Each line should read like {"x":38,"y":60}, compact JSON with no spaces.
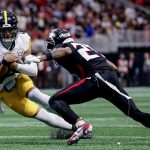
{"x":8,"y":28}
{"x":56,"y":37}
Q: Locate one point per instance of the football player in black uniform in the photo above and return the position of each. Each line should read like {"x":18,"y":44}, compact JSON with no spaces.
{"x":98,"y":78}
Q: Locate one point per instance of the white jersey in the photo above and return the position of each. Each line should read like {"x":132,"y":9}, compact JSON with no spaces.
{"x":22,"y":44}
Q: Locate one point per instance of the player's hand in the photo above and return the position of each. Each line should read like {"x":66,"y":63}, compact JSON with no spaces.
{"x":31,"y":58}
{"x":13,"y":66}
{"x":10,"y":58}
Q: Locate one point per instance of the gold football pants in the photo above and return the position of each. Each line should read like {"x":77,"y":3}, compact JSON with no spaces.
{"x":16,"y":98}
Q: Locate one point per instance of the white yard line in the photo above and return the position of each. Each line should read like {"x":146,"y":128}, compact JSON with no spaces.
{"x":3,"y":125}
{"x":119,"y":126}
{"x":123,"y":137}
{"x":23,"y":137}
{"x":100,"y":137}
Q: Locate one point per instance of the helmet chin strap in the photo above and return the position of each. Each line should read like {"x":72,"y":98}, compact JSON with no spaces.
{"x":9,"y":45}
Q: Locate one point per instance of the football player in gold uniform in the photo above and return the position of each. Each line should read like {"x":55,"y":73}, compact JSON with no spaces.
{"x":16,"y":87}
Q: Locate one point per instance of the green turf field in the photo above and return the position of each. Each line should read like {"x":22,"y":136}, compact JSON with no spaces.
{"x":110,"y":127}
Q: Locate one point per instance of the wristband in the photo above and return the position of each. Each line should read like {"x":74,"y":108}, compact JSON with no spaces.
{"x":49,"y":55}
{"x":6,"y":63}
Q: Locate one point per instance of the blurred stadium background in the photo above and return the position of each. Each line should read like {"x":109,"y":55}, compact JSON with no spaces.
{"x":120,"y":29}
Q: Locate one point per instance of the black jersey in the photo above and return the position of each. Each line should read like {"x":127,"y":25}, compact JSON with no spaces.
{"x":83,"y":61}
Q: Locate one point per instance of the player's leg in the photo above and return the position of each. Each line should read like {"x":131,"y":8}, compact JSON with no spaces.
{"x":128,"y":107}
{"x":30,"y":109}
{"x":52,"y":119}
{"x":79,"y":92}
{"x":119,"y":97}
{"x":76,"y":93}
{"x":37,"y":96}
{"x":25,"y":87}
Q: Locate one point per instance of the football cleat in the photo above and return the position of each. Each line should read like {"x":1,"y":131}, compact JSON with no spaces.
{"x":89,"y":133}
{"x":82,"y":130}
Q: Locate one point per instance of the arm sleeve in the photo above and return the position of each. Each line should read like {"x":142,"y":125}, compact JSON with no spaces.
{"x":64,"y":45}
{"x":28,"y":69}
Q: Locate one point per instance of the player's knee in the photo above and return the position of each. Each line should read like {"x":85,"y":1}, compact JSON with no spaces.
{"x":52,"y":102}
{"x":28,"y":115}
{"x":56,"y":102}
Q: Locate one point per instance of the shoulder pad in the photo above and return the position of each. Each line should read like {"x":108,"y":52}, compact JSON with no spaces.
{"x":23,"y":34}
{"x":26,"y":40}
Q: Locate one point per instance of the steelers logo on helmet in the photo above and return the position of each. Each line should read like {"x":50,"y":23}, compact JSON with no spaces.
{"x":58,"y":36}
{"x":8,"y":28}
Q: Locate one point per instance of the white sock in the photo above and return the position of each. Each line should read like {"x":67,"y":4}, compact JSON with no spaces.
{"x":37,"y":96}
{"x":52,"y":119}
{"x":80,"y":122}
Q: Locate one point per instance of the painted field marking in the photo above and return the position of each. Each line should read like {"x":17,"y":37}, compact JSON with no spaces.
{"x":101,"y":137}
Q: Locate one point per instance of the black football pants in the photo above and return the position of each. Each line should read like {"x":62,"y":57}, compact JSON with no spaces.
{"x":102,"y":84}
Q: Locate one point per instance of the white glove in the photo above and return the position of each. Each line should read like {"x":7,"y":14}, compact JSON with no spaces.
{"x":31,"y":58}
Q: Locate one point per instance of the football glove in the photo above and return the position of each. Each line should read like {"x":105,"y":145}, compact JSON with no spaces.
{"x":30,"y":58}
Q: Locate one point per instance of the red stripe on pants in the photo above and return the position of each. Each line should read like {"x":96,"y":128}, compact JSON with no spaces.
{"x":72,"y":86}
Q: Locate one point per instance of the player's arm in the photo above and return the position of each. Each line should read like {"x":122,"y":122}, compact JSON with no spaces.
{"x":111,"y":65}
{"x":3,"y":70}
{"x":6,"y":62}
{"x":56,"y":54}
{"x":29,"y":69}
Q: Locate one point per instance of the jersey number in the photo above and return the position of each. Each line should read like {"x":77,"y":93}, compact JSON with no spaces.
{"x":85,"y":51}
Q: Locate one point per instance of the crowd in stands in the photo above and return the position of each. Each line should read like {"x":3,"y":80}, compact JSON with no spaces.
{"x":83,"y":18}
{"x":134,"y":68}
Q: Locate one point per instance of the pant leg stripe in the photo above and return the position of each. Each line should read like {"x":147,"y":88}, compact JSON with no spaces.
{"x":111,"y":86}
{"x":72,"y":86}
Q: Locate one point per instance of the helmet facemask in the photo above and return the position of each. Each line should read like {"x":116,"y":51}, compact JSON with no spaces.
{"x":8,"y":35}
{"x":56,"y":37}
{"x":50,"y":41}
